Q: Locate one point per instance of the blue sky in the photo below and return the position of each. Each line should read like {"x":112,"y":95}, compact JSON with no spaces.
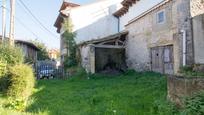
{"x":46,"y":11}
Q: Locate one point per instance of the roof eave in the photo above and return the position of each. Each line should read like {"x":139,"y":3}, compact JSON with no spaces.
{"x":28,"y":43}
{"x":110,"y":37}
{"x":126,"y":5}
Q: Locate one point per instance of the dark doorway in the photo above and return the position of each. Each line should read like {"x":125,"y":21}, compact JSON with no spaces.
{"x":110,"y":60}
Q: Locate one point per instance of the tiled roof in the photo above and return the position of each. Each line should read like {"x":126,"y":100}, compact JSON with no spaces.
{"x":60,"y":16}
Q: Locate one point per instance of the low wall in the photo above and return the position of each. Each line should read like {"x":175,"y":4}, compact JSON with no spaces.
{"x":179,"y":87}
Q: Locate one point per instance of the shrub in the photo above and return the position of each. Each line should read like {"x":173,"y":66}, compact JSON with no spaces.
{"x":69,"y":62}
{"x":3,"y":72}
{"x":71,"y":58}
{"x":77,"y":73}
{"x":11,"y":54}
{"x":162,"y":107}
{"x":3,"y":68}
{"x":194,"y":105}
{"x":4,"y":83}
{"x":190,"y":72}
{"x":16,"y":104}
{"x":186,"y":68}
{"x":21,"y":81}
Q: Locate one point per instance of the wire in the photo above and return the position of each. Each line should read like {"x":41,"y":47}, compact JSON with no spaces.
{"x":26,"y":27}
{"x":22,"y":24}
{"x":36,"y":19}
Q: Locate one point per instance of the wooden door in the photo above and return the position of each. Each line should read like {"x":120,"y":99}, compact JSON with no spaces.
{"x":162,"y":59}
{"x":168,"y":60}
{"x":157,"y":59}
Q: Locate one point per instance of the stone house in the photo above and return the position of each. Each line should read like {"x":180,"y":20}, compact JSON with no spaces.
{"x":164,"y":35}
{"x":153,"y":35}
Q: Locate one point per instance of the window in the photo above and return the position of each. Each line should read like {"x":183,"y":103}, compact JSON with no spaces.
{"x":160,"y":17}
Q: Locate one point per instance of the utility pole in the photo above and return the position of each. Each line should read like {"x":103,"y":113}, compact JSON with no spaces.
{"x":3,"y":20}
{"x":12,"y":21}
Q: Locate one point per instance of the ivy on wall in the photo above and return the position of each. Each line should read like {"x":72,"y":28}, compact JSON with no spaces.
{"x":69,"y":35}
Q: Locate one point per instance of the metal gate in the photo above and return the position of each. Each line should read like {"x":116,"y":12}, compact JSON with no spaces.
{"x":48,"y":70}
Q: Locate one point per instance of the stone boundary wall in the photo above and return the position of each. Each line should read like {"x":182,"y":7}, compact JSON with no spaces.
{"x":179,"y":87}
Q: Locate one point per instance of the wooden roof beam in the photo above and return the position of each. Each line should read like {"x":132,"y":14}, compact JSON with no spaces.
{"x":109,"y":46}
{"x":126,"y":5}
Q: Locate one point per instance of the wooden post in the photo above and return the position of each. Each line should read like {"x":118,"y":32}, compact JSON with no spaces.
{"x":12,"y":21}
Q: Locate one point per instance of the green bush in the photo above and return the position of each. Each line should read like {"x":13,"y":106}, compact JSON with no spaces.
{"x":16,"y":104}
{"x":21,"y":79}
{"x":69,"y":62}
{"x":11,"y":54}
{"x":3,"y":72}
{"x":3,"y":68}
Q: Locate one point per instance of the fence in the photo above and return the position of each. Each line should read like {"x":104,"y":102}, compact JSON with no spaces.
{"x":48,"y":70}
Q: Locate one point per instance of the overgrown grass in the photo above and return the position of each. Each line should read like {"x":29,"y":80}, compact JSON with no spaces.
{"x":127,"y":94}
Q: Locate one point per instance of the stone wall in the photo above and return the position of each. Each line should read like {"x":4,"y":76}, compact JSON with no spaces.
{"x":145,"y":34}
{"x":180,"y":87}
{"x":136,"y":10}
{"x":185,"y":23}
{"x":85,"y":57}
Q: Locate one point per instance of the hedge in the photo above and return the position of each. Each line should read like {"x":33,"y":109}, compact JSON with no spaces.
{"x":11,"y":54}
{"x":22,"y":81}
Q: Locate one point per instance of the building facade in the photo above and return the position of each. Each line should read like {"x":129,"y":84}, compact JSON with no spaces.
{"x":53,"y":54}
{"x":163,"y":35}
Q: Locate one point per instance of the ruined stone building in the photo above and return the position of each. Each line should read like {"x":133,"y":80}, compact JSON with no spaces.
{"x":145,"y":35}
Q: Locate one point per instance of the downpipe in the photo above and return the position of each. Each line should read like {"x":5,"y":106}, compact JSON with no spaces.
{"x":184,"y":46}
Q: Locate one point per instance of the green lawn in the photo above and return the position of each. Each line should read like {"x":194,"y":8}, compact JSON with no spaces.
{"x":126,"y":94}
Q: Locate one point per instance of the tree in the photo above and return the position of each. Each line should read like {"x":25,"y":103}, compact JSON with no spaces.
{"x":43,"y":53}
{"x":69,"y":35}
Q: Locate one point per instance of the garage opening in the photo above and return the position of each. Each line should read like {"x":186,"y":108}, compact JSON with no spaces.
{"x":110,"y":60}
{"x":107,"y":55}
